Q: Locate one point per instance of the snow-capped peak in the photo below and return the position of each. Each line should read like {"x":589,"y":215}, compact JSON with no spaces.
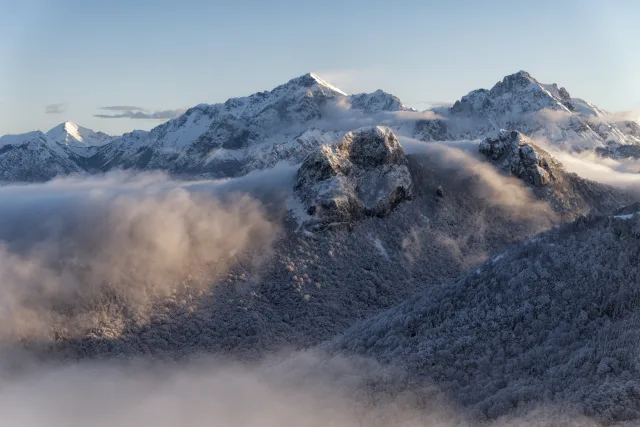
{"x":69,"y":133}
{"x":73,"y":130}
{"x":326,"y":84}
{"x":515,"y":94}
{"x":309,"y":80}
{"x":543,"y":95}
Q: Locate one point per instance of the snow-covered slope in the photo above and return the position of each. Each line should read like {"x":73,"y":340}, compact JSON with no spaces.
{"x":376,"y":101}
{"x":34,"y":157}
{"x":115,"y":153}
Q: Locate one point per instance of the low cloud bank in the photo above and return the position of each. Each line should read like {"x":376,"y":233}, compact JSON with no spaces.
{"x":462,"y":157}
{"x":622,"y":173}
{"x":307,"y":390}
{"x":71,"y":247}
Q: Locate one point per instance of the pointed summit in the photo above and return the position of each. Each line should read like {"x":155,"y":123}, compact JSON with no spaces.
{"x":524,"y":75}
{"x":312,"y":79}
{"x":73,"y":130}
{"x":69,"y":133}
{"x":514,"y":82}
{"x":515,"y":94}
{"x":326,"y":84}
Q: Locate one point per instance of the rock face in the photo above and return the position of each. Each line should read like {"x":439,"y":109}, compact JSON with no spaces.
{"x":518,"y":154}
{"x":365,"y":174}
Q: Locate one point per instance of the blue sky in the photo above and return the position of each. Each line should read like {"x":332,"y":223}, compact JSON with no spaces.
{"x":76,"y":56}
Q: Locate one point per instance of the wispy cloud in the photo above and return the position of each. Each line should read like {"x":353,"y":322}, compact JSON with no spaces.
{"x":131,"y":112}
{"x":433,"y":104}
{"x":56,"y":108}
{"x":618,"y":117}
{"x":122,"y":108}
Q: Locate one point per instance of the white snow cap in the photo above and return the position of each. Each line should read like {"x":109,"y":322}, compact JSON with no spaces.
{"x":69,"y":133}
{"x":326,"y":84}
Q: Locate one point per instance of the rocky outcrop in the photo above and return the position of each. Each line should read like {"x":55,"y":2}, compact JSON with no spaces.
{"x":365,"y":174}
{"x":517,"y":154}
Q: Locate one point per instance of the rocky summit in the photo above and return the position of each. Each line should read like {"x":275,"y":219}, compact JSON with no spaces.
{"x":365,"y":174}
{"x":518,"y":154}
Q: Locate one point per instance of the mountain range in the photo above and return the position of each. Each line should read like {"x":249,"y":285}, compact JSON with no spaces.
{"x":290,"y":121}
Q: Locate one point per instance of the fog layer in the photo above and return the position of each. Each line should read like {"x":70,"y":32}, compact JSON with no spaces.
{"x":71,"y":246}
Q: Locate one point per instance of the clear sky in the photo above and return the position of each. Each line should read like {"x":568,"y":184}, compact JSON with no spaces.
{"x":73,"y":57}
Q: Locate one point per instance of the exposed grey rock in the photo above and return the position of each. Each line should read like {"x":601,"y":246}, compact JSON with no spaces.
{"x":518,"y":154}
{"x":365,"y":174}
